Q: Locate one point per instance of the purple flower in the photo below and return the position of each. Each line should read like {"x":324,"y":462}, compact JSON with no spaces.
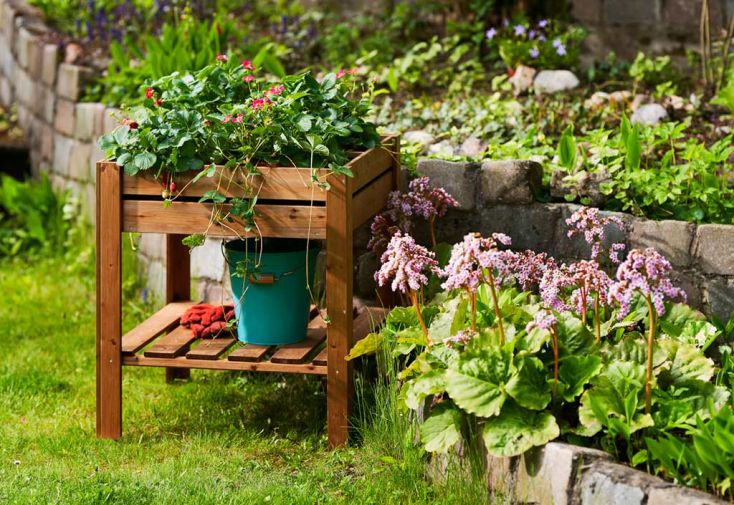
{"x":382,"y":229}
{"x":406,"y":263}
{"x":534,"y":53}
{"x":519,"y":30}
{"x":588,"y":278}
{"x":587,"y":222}
{"x":427,"y":202}
{"x":528,"y":267}
{"x":469,"y":259}
{"x":560,"y":48}
{"x":461,"y":338}
{"x":541,"y":38}
{"x":543,"y":320}
{"x":490,"y":34}
{"x":531,"y":34}
{"x":647,"y":272}
{"x":542,"y":23}
{"x":553,"y":287}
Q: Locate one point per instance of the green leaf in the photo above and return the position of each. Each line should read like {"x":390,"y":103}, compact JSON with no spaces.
{"x":304,"y":123}
{"x":634,"y":149}
{"x":442,"y":430}
{"x":370,"y":344}
{"x":477,"y":381}
{"x":450,"y":320}
{"x":416,"y":390}
{"x":575,"y":372}
{"x":144,"y":160}
{"x":529,"y":387}
{"x":194,"y":240}
{"x":214,"y":196}
{"x":516,"y":430}
{"x":685,"y":364}
{"x":567,"y":149}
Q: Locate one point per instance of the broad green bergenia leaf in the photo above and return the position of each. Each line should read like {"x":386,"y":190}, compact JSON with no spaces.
{"x":685,"y":364}
{"x":477,"y":381}
{"x":575,"y":372}
{"x":442,"y":430}
{"x":429,"y":383}
{"x":516,"y":430}
{"x":529,"y":387}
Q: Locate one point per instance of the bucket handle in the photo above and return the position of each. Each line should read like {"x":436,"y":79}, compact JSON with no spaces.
{"x":260,"y":278}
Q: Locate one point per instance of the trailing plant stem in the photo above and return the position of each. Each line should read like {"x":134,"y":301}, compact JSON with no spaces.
{"x":650,"y":339}
{"x":414,"y":298}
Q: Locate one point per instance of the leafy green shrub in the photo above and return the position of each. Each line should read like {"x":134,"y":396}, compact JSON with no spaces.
{"x":33,"y":216}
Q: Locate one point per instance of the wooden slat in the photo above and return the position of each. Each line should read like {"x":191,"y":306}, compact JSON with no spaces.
{"x":210,"y":348}
{"x":368,"y":165}
{"x":224,"y":364}
{"x":321,"y":358}
{"x":298,"y":352}
{"x":178,"y":285}
{"x":295,"y":221}
{"x":162,"y":321}
{"x":283,"y":183}
{"x":174,"y":344}
{"x":249,"y":353}
{"x":372,"y":199}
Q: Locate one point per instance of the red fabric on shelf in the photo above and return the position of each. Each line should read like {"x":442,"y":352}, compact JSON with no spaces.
{"x":208,"y":321}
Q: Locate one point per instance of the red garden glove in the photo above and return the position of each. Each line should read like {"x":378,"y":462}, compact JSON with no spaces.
{"x":207,"y":321}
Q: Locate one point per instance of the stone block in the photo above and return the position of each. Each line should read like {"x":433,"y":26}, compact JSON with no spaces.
{"x":152,"y":245}
{"x":62,"y":152}
{"x":719,"y":295}
{"x":677,"y":495}
{"x":47,"y":142}
{"x":586,"y":11}
{"x":70,"y":80}
{"x":576,"y":247}
{"x":79,"y":161}
{"x":24,"y":88}
{"x":23,"y":41}
{"x":24,"y":117}
{"x":49,"y":62}
{"x":614,"y":484}
{"x":529,"y":226}
{"x":49,"y":105}
{"x":96,"y":155}
{"x":35,"y":58}
{"x":509,"y":181}
{"x":65,"y":119}
{"x":686,"y":14}
{"x":8,"y":27}
{"x":715,"y":248}
{"x":459,"y":179}
{"x":546,"y":474}
{"x":208,"y":261}
{"x":364,"y":282}
{"x":673,"y":239}
{"x":89,"y":120}
{"x":6,"y":92}
{"x":154,"y":280}
{"x":631,"y":12}
{"x":692,"y":284}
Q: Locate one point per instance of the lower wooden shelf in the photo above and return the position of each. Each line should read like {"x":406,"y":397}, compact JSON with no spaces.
{"x":161,"y":342}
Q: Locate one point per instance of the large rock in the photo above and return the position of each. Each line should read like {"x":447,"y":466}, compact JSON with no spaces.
{"x":458,"y":178}
{"x":421,"y":137}
{"x":522,"y":79}
{"x":677,"y":495}
{"x":719,"y":295}
{"x":472,"y":148}
{"x":530,"y":226}
{"x":649,"y":114}
{"x":553,"y":81}
{"x":564,"y":247}
{"x":582,"y":186}
{"x":673,"y":239}
{"x":443,"y":148}
{"x":607,"y":483}
{"x":715,"y":248}
{"x":510,"y":181}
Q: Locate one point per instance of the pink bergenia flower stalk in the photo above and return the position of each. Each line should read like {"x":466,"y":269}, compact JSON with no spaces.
{"x":528,"y":267}
{"x":461,"y":338}
{"x":592,"y":288}
{"x":587,"y":222}
{"x":546,"y":320}
{"x":553,"y":287}
{"x":646,"y":272}
{"x":474,"y":261}
{"x":382,"y":229}
{"x":429,"y":203}
{"x":407,"y":264}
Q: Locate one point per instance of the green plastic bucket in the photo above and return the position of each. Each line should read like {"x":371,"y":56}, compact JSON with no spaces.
{"x":271,"y":300}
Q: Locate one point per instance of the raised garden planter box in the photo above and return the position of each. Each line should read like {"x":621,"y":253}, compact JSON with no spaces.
{"x":292,"y":207}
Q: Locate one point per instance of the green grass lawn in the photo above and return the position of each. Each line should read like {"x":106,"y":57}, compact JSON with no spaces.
{"x":221,"y":437}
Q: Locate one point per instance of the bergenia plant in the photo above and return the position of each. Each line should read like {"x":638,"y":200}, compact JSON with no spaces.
{"x":589,"y":223}
{"x":406,"y":266}
{"x":646,"y":272}
{"x":475,"y":261}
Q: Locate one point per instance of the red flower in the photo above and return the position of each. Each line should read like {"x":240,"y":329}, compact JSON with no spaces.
{"x":158,"y":102}
{"x":130,"y":124}
{"x":149,"y":93}
{"x":260,"y":103}
{"x":341,"y":73}
{"x":227,"y":118}
{"x":248,"y":78}
{"x":247,"y":65}
{"x":222,"y":57}
{"x":275,"y":90}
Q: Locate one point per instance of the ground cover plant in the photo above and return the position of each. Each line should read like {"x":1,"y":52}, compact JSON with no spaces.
{"x":515,"y":350}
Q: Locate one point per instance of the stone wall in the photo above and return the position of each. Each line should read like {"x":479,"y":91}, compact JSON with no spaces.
{"x":562,"y":474}
{"x":498,"y":196}
{"x":62,"y":133}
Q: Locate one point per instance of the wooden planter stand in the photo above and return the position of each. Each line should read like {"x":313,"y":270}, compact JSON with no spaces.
{"x":290,"y":206}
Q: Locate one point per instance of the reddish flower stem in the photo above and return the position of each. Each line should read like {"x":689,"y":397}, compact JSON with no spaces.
{"x":650,"y":339}
{"x":496,"y":307}
{"x":554,"y":341}
{"x":414,"y":298}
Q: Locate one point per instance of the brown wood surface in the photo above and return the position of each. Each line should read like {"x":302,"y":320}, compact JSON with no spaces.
{"x":172,"y":345}
{"x":249,"y":353}
{"x":162,"y":321}
{"x":339,"y":291}
{"x":210,"y":348}
{"x":322,"y":358}
{"x":109,"y":302}
{"x":295,"y":221}
{"x":299,"y":352}
{"x":178,"y":285}
{"x":367,"y":166}
{"x":372,"y":199}
{"x":224,"y":364}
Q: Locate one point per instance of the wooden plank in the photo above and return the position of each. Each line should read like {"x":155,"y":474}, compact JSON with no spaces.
{"x":210,"y":348}
{"x":339,"y":291}
{"x":372,"y":199}
{"x":275,"y":183}
{"x":162,"y":321}
{"x":172,"y":345}
{"x":294,"y":221}
{"x":224,"y":364}
{"x":249,"y":353}
{"x":368,"y":165}
{"x":109,"y":302}
{"x":178,"y":285}
{"x":299,"y":352}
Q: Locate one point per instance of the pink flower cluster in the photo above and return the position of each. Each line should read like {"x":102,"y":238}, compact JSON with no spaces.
{"x":406,"y":263}
{"x":231,"y":118}
{"x":427,"y":202}
{"x":247,"y":65}
{"x":341,"y":73}
{"x":471,"y":257}
{"x":646,"y":272}
{"x":462,"y":337}
{"x":260,"y":103}
{"x":553,"y":287}
{"x":528,"y":267}
{"x":543,"y":320}
{"x":587,"y":222}
{"x":588,"y":278}
{"x":275,"y":90}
